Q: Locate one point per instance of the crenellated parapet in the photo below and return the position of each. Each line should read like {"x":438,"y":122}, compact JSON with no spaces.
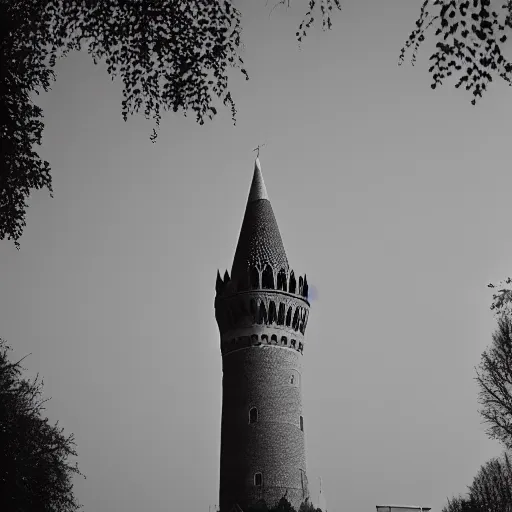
{"x":269,"y":308}
{"x":266,"y":278}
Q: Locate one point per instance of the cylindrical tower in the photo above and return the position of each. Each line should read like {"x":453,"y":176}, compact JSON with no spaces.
{"x":261,"y":311}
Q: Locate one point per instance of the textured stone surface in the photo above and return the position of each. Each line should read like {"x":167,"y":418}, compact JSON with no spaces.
{"x":266,"y":378}
{"x":260,"y":242}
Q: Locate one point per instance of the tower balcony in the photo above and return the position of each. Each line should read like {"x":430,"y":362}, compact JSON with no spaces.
{"x":257,"y":313}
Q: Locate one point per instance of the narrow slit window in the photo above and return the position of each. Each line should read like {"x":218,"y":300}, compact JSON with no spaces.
{"x":302,"y":423}
{"x":258,"y":479}
{"x":253,"y":415}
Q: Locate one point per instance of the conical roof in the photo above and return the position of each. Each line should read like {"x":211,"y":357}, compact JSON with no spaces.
{"x":259,"y":242}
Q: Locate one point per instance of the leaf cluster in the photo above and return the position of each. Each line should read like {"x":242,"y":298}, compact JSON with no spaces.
{"x":326,"y":8}
{"x":502,"y":297}
{"x":471,"y":37}
{"x":35,"y":474}
{"x":170,"y":54}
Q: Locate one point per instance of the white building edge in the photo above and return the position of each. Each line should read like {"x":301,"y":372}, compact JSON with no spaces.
{"x":402,"y":508}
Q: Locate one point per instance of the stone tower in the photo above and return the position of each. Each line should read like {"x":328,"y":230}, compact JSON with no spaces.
{"x":261,"y":311}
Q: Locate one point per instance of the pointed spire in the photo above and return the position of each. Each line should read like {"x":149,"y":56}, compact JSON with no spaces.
{"x":258,"y":190}
{"x":259,"y":242}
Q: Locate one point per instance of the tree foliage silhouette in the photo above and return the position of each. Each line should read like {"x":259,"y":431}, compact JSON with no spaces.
{"x":494,"y":378}
{"x":471,"y":35}
{"x":492,"y":486}
{"x":283,"y":505}
{"x":460,"y":504}
{"x":172,"y":55}
{"x":35,"y":474}
{"x":491,"y":489}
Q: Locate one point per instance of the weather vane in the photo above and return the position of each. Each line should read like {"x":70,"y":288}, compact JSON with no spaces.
{"x":257,"y":148}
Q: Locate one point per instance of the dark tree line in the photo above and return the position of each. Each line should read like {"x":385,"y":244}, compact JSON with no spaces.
{"x":283,"y":506}
{"x":491,"y":490}
{"x":35,"y":472}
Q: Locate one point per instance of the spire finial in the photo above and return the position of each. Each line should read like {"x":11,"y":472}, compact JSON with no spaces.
{"x":257,"y":149}
{"x":258,"y":190}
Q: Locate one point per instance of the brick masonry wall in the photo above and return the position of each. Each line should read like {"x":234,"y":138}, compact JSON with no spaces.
{"x":266,"y":377}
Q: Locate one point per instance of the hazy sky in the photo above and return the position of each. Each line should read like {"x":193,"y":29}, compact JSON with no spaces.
{"x":393,"y":198}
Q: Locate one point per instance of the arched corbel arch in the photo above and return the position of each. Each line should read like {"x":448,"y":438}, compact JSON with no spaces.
{"x":267,"y":278}
{"x":272,"y":313}
{"x":289,"y":317}
{"x":302,"y":320}
{"x":306,"y":287}
{"x":293,"y":283}
{"x":262,"y":316}
{"x":281,"y":314}
{"x":281,"y":280}
{"x":295,"y":323}
{"x":254,"y":278}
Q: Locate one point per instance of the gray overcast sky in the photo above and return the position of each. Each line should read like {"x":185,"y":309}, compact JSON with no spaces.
{"x":393,"y":198}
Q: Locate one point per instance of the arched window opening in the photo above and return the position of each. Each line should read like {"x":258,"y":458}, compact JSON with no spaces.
{"x":258,"y":479}
{"x":254,"y":277}
{"x":280,"y":315}
{"x":281,"y":280}
{"x":294,"y":378}
{"x":284,"y":340}
{"x":289,"y":317}
{"x":264,"y":338}
{"x":272,"y":314}
{"x":273,"y":339}
{"x":262,"y":317}
{"x":292,"y":343}
{"x":302,"y":323}
{"x":301,"y":284}
{"x":301,"y":347}
{"x":302,"y":423}
{"x":254,"y":339}
{"x":267,"y":280}
{"x":254,"y":310}
{"x":306,"y":316}
{"x":293,"y":283}
{"x":253,"y":415}
{"x":295,"y":323}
